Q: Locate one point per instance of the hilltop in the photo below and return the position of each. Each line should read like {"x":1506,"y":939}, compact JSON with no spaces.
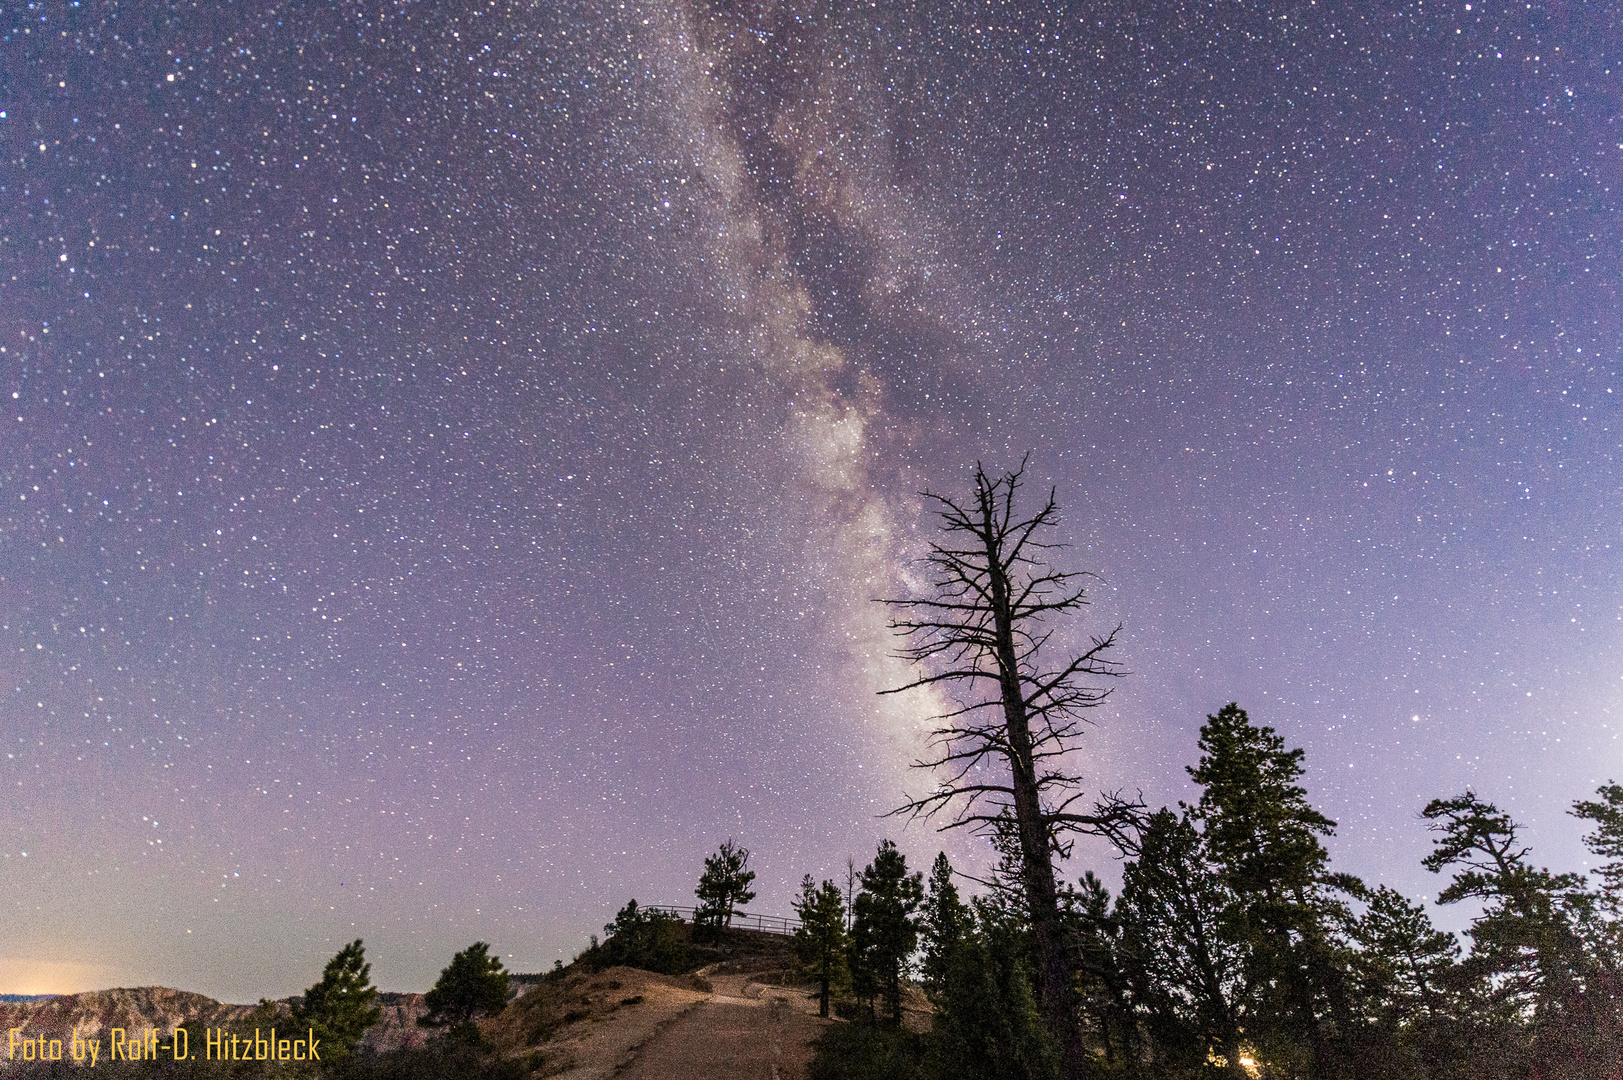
{"x":738,"y":998}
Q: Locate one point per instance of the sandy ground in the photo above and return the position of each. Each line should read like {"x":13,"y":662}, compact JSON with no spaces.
{"x":743,"y":1030}
{"x":746,"y":1031}
{"x":606,"y":1021}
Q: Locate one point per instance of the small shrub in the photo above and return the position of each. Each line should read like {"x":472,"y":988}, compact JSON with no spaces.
{"x":868,"y":1052}
{"x":439,"y":1059}
{"x":650,"y":940}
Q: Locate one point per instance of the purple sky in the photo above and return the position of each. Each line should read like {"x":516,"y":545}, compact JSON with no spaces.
{"x":451,"y":449}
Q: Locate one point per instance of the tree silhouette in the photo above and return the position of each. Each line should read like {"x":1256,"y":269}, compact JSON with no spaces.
{"x":1181,"y":958}
{"x":641,"y":938}
{"x":1262,"y":835}
{"x":945,"y":924}
{"x":1528,"y":945}
{"x":980,"y":636}
{"x":342,"y":1005}
{"x":885,"y":933}
{"x":474,"y":983}
{"x":988,"y":1026}
{"x":1404,"y":974}
{"x":820,"y":941}
{"x":724,"y":884}
{"x":1257,"y":819}
{"x":1606,"y":841}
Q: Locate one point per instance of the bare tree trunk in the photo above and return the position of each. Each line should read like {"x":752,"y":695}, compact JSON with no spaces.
{"x":1057,"y":995}
{"x":986,"y":624}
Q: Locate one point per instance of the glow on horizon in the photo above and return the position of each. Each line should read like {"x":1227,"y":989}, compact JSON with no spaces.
{"x":30,"y":976}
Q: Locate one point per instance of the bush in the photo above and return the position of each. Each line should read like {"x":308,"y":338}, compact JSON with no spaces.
{"x":988,"y":1027}
{"x":868,"y":1052}
{"x":440,"y":1059}
{"x":650,"y":940}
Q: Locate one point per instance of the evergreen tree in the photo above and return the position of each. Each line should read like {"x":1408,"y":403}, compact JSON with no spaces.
{"x":885,"y":933}
{"x":1263,"y":836}
{"x":1185,"y":964}
{"x":820,"y":941}
{"x":987,"y":1026}
{"x":641,"y":938}
{"x":1229,"y":936}
{"x":1528,"y":945}
{"x":1255,"y":817}
{"x":1103,"y":988}
{"x":1604,"y":927}
{"x":1408,"y":991}
{"x":1403,"y":962}
{"x":474,"y":983}
{"x":342,"y":1005}
{"x":1607,"y":842}
{"x":725,"y":884}
{"x":945,"y":922}
{"x":1524,"y":935}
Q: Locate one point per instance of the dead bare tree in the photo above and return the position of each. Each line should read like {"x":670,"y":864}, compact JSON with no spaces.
{"x":1000,"y":751}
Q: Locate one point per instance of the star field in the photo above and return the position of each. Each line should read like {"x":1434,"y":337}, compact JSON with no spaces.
{"x":450,"y":451}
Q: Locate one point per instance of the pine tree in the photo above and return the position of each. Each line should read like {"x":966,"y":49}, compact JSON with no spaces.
{"x":1524,"y":934}
{"x":1528,"y":946}
{"x":1263,"y":836}
{"x":725,"y":884}
{"x":342,"y":1005}
{"x":1403,"y":962}
{"x":987,"y":1026}
{"x":1607,"y":842}
{"x":1255,"y":817}
{"x":1603,"y":928}
{"x":641,"y":938}
{"x":820,"y":941}
{"x":1103,"y":988}
{"x":474,"y":983}
{"x":1184,"y":962}
{"x":945,"y":922}
{"x":885,"y":932}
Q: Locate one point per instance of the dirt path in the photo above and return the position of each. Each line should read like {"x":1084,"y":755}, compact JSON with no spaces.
{"x":746,"y":1031}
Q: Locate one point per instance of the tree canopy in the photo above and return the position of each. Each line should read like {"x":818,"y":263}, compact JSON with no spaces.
{"x":473,"y":984}
{"x":342,"y":1005}
{"x":724,"y":884}
{"x":820,"y":940}
{"x":885,"y":933}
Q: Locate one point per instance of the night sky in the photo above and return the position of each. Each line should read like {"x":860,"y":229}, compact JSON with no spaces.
{"x":451,"y":450}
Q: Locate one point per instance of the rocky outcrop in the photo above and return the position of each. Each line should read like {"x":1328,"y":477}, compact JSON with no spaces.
{"x":397,"y":1027}
{"x":93,"y":1015}
{"x":99,"y":1011}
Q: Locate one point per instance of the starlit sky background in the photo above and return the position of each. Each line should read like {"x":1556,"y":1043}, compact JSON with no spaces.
{"x":451,"y":449}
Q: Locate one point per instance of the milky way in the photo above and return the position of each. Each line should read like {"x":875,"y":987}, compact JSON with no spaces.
{"x":453,"y":450}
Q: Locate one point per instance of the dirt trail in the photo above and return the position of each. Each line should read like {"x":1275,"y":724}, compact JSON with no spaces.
{"x":745,"y":1031}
